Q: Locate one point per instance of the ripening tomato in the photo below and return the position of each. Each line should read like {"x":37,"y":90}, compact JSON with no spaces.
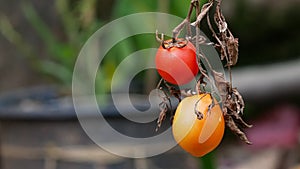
{"x":177,"y":65}
{"x":198,"y":136}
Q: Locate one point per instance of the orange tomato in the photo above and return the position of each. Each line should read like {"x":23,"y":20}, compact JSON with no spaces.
{"x":198,"y":136}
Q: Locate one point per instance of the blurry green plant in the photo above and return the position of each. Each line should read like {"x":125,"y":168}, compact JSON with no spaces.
{"x":62,"y":53}
{"x":79,"y":21}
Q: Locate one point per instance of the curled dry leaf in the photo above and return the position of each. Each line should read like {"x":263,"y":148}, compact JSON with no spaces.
{"x":164,"y":107}
{"x":232,"y":49}
{"x":227,"y":42}
{"x":162,"y":115}
{"x":233,"y":105}
{"x":228,"y":48}
{"x":238,"y":99}
{"x":221,"y":84}
{"x":235,"y":129}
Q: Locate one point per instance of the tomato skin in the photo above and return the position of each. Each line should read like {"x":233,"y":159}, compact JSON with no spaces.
{"x":198,"y":137}
{"x":177,"y":65}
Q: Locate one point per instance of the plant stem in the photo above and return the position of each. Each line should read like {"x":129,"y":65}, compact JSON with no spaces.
{"x":185,"y":22}
{"x":204,"y":11}
{"x":207,"y":161}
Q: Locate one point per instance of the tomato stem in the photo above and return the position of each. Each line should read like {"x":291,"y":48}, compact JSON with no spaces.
{"x":207,"y":161}
{"x":186,"y":22}
{"x":174,"y":40}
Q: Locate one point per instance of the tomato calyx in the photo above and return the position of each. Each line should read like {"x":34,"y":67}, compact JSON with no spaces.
{"x":178,"y":43}
{"x":170,"y":43}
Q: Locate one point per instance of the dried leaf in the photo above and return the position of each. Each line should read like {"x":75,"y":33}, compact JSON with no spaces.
{"x":232,"y":49}
{"x":164,"y":106}
{"x":222,"y":26}
{"x":234,"y":128}
{"x":221,"y":84}
{"x":239,"y":100}
{"x":162,"y":115}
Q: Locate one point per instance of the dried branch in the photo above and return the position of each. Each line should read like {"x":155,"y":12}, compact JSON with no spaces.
{"x":186,"y":21}
{"x":205,"y":9}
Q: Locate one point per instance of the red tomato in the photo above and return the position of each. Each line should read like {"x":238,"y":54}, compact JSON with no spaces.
{"x":198,"y":136}
{"x":177,"y":65}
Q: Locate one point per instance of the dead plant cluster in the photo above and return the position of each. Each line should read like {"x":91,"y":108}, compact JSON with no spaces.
{"x":226,"y":44}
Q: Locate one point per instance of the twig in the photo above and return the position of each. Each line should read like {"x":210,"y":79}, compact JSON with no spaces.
{"x":205,"y":9}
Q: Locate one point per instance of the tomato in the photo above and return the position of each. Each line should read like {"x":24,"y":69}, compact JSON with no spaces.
{"x":198,"y":136}
{"x":177,"y":65}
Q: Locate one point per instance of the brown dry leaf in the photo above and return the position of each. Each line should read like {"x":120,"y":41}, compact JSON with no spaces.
{"x":238,"y":101}
{"x":164,"y":106}
{"x":235,"y":129}
{"x":233,"y":105}
{"x":232,"y":49}
{"x":221,"y":84}
{"x":161,"y":118}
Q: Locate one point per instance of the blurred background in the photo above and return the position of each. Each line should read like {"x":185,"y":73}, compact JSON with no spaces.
{"x":39,"y":43}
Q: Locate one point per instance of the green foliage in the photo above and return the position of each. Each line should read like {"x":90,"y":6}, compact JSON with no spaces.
{"x":62,"y":53}
{"x":78,"y":24}
{"x":79,"y":21}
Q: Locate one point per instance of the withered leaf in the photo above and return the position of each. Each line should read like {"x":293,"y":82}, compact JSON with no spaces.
{"x":239,"y":100}
{"x":234,"y":128}
{"x":232,"y":49}
{"x":162,"y":114}
{"x":221,"y":84}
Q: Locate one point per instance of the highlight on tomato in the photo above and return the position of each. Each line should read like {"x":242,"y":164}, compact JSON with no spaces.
{"x":176,"y":62}
{"x":198,"y":136}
